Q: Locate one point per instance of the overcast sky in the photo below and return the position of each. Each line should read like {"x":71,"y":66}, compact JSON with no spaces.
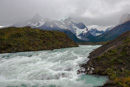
{"x":91,"y":12}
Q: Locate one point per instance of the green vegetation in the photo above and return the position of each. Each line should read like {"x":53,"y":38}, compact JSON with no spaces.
{"x":14,"y":39}
{"x":112,"y":59}
{"x":115,"y":63}
{"x":124,"y":81}
{"x":92,"y":43}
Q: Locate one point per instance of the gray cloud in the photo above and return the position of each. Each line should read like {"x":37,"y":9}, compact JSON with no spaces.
{"x":91,"y":12}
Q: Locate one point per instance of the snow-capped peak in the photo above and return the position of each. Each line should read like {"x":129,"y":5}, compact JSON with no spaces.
{"x":80,"y":31}
{"x":68,"y":24}
{"x":75,"y":28}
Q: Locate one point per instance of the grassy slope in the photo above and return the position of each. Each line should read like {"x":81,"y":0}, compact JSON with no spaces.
{"x":27,"y":39}
{"x":114,"y":61}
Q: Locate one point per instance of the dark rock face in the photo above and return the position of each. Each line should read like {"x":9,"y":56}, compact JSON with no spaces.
{"x":14,"y":39}
{"x":81,"y":25}
{"x":112,"y":59}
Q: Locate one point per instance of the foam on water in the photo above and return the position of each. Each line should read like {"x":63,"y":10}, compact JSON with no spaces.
{"x":57,"y":68}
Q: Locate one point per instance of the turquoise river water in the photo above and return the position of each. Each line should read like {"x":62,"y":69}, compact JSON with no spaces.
{"x":57,"y":68}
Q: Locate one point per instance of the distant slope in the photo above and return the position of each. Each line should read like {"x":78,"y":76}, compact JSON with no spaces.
{"x":28,"y":39}
{"x":113,"y":33}
{"x":112,"y":59}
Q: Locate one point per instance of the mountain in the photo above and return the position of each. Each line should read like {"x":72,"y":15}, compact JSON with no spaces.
{"x":113,"y":33}
{"x":96,"y":32}
{"x":112,"y":59}
{"x":58,"y":25}
{"x":13,"y":39}
{"x":66,"y":24}
{"x":79,"y":31}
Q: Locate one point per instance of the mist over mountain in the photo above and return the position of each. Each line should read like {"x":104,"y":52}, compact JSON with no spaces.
{"x":64,"y":25}
{"x":124,"y":18}
{"x":91,"y":12}
{"x":77,"y":31}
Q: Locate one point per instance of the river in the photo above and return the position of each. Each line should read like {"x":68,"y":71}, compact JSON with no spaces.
{"x":57,"y":68}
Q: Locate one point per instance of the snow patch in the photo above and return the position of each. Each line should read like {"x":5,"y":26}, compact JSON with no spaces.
{"x":79,"y":31}
{"x":36,"y":24}
{"x":1,"y":26}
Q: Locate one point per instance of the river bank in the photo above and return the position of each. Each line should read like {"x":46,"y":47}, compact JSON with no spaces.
{"x":112,"y":59}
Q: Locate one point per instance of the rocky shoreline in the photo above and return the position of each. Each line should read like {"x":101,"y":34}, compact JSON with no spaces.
{"x":113,"y":60}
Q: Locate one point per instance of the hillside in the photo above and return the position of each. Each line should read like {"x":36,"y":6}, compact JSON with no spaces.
{"x":14,"y":39}
{"x":112,"y":59}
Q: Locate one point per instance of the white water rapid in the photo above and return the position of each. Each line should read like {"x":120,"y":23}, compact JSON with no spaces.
{"x":57,"y":68}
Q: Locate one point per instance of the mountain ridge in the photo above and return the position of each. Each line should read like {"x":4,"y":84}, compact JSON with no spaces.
{"x":113,"y":33}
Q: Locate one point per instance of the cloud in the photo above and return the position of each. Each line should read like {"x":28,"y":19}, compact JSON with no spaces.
{"x":91,"y":12}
